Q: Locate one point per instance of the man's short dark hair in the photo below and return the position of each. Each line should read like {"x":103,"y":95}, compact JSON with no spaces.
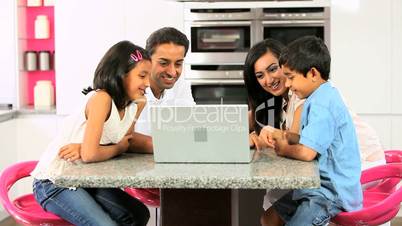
{"x":166,"y":35}
{"x":305,"y":53}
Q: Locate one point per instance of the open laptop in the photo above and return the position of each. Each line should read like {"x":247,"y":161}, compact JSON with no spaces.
{"x":200,"y":134}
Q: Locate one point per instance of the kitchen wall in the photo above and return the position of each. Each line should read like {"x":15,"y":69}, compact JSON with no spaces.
{"x":366,"y":54}
{"x":7,"y":47}
{"x":86,"y":29}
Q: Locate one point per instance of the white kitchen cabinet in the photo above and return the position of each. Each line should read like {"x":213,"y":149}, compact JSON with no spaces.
{"x":361,"y":44}
{"x":8,"y":52}
{"x":33,"y":134}
{"x":25,"y":138}
{"x":396,"y":83}
{"x":8,"y":150}
{"x":396,"y":132}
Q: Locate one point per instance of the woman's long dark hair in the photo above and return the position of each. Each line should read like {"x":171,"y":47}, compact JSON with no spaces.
{"x":113,"y":68}
{"x":257,"y":96}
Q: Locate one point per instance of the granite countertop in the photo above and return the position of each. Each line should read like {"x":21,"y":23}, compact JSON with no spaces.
{"x":139,"y":170}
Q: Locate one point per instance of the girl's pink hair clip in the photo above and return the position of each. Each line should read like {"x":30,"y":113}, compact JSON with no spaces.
{"x":136,"y":57}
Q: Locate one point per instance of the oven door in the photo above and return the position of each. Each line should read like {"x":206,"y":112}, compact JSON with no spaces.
{"x":287,"y":31}
{"x":223,"y":93}
{"x":196,"y":72}
{"x":219,"y":42}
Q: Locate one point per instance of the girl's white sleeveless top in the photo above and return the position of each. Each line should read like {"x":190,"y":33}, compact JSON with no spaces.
{"x":73,"y":130}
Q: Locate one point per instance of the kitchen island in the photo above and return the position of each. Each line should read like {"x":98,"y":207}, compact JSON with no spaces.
{"x":193,"y":194}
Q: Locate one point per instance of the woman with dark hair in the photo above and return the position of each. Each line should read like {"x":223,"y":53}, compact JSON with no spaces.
{"x":273,"y":107}
{"x":267,"y":94}
{"x":100,"y":130}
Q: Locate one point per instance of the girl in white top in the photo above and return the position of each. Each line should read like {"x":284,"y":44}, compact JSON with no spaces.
{"x":100,"y":130}
{"x":265,"y":85}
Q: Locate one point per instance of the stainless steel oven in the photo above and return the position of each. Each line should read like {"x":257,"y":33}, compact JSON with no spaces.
{"x":219,"y":36}
{"x":288,"y":24}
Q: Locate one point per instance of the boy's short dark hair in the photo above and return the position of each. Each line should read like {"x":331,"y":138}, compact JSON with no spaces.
{"x":305,"y":53}
{"x":166,"y":35}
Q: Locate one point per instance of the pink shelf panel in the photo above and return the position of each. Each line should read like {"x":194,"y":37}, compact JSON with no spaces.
{"x":27,"y":36}
{"x":37,"y":44}
{"x":32,"y":77}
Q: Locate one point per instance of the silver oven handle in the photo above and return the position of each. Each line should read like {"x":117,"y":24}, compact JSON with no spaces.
{"x":293,"y":22}
{"x":216,"y":81}
{"x":220,"y":23}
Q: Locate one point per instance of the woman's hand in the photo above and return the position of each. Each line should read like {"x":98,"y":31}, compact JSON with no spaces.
{"x":70,"y":152}
{"x":266,"y":136}
{"x":255,"y":141}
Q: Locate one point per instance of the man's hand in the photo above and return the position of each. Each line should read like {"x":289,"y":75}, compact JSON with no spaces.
{"x":124,"y":143}
{"x":70,"y":152}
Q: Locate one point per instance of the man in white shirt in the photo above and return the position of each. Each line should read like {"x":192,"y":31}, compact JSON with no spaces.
{"x":167,"y":47}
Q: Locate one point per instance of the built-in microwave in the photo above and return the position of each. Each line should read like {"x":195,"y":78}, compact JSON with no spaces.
{"x":219,"y":36}
{"x":288,"y":24}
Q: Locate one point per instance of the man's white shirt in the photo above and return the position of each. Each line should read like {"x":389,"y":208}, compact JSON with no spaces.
{"x":179,"y":95}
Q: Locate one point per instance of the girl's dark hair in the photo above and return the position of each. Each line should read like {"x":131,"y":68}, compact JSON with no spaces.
{"x":257,"y":96}
{"x":113,"y":68}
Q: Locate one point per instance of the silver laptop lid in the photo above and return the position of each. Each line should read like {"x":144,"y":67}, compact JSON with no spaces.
{"x":200,"y":133}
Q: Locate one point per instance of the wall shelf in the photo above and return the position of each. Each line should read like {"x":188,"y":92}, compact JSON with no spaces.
{"x":26,"y":16}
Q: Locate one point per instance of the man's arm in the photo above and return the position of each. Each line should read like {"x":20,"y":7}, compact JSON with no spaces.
{"x":287,"y":144}
{"x":140,"y":143}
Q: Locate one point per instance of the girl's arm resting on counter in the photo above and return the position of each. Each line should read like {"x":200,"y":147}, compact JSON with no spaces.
{"x":97,"y":112}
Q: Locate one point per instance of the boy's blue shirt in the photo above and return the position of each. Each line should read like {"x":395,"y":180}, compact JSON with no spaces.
{"x":327,"y":128}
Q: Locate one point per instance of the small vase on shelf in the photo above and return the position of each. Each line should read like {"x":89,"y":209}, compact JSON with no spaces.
{"x":34,"y":3}
{"x":42,"y":30}
{"x":30,"y":61}
{"x":43,"y":94}
{"x":44,"y":60}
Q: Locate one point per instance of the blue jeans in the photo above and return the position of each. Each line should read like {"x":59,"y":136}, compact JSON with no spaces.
{"x":314,"y":210}
{"x":91,"y":206}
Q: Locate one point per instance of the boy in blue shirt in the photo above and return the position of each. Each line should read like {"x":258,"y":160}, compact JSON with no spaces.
{"x":327,"y":134}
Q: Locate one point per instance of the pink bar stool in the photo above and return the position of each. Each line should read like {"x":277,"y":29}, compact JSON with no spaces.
{"x":149,"y":196}
{"x":378,"y":206}
{"x":25,"y":210}
{"x":391,"y":156}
